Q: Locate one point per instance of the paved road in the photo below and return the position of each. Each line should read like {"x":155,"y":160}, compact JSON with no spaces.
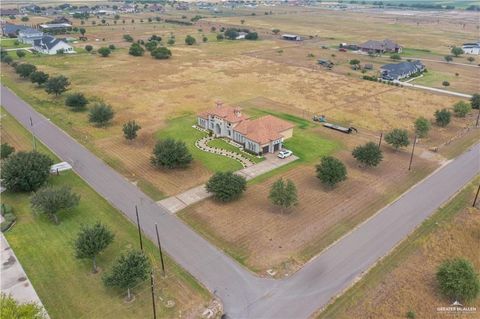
{"x":243,"y":294}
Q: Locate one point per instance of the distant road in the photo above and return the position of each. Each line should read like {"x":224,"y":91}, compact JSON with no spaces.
{"x":245,"y":295}
{"x":427,"y":88}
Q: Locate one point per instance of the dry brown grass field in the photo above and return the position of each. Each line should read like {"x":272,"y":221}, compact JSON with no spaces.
{"x":405,"y":281}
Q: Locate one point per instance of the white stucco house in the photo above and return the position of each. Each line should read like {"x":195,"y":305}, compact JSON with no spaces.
{"x":262,"y":135}
{"x":29,"y":35}
{"x":51,"y":45}
{"x":471,"y":48}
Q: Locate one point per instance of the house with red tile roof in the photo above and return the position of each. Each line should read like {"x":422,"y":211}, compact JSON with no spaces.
{"x":262,"y":135}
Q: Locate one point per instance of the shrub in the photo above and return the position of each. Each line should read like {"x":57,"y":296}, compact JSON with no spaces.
{"x":331,"y":171}
{"x":475,"y":101}
{"x":112,"y":47}
{"x":231,"y":34}
{"x":136,"y":50}
{"x":251,"y":36}
{"x":161,"y":53}
{"x":25,"y":69}
{"x":397,"y":138}
{"x":57,"y":85}
{"x":442,"y":117}
{"x":130,"y":130}
{"x":25,"y":171}
{"x":410,"y":314}
{"x":170,"y":153}
{"x":9,"y":217}
{"x":104,"y":51}
{"x":50,"y":200}
{"x":128,"y":37}
{"x":101,"y":114}
{"x":226,"y":186}
{"x":395,"y":56}
{"x":369,"y":154}
{"x":77,"y":101}
{"x":171,"y":41}
{"x":458,"y":280}
{"x":189,"y":40}
{"x":151,"y":45}
{"x":446,"y":83}
{"x":88,"y":48}
{"x":220,"y":37}
{"x":39,"y":77}
{"x":20,"y":53}
{"x":461,"y":108}
{"x":422,"y":126}
{"x":11,"y":308}
{"x":6,"y":150}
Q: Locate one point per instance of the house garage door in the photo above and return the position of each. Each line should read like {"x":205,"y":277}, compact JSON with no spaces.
{"x":276,"y":147}
{"x":265,"y":149}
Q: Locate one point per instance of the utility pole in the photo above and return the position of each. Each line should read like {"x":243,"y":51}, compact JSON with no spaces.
{"x":380,"y":141}
{"x":478,"y":117}
{"x":139,"y":229}
{"x":476,"y":196}
{"x":413,"y":150}
{"x":160,"y":250}
{"x":153,"y":296}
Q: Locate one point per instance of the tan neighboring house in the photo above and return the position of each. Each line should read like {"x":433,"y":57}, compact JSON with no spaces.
{"x":262,"y":135}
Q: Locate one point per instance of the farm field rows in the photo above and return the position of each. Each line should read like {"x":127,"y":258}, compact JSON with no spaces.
{"x":66,"y":285}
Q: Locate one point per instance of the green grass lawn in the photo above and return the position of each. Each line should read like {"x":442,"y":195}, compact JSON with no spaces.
{"x":7,"y":43}
{"x":406,"y":248}
{"x":66,"y":285}
{"x":181,"y":128}
{"x":219,"y":143}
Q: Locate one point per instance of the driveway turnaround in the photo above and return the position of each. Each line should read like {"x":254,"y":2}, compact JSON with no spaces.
{"x":243,"y":294}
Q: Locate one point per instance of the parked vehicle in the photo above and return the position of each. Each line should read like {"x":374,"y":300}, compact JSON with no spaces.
{"x":284,"y":153}
{"x":342,"y":50}
{"x":319,"y":118}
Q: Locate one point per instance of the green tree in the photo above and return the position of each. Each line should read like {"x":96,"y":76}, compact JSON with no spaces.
{"x":475,"y":101}
{"x":112,"y":47}
{"x":442,"y":117}
{"x":395,"y":56}
{"x":136,"y":50}
{"x":251,"y":36}
{"x":189,"y":40}
{"x":88,"y":48}
{"x":446,"y":83}
{"x":52,"y":199}
{"x":161,"y":53}
{"x":130,"y":130}
{"x":7,"y":59}
{"x":6,"y":150}
{"x":20,"y":53}
{"x":231,"y":34}
{"x":128,"y":37}
{"x":458,"y":280}
{"x":91,"y":241}
{"x":128,"y":271}
{"x":171,"y":41}
{"x":82,"y":31}
{"x":25,"y":171}
{"x":331,"y":171}
{"x":422,"y":126}
{"x":354,"y":62}
{"x":456,"y":51}
{"x":461,"y":108}
{"x":77,"y":101}
{"x":226,"y":186}
{"x":276,"y":31}
{"x":151,"y":45}
{"x":25,"y":19}
{"x":25,"y":69}
{"x":369,"y":154}
{"x":397,"y":138}
{"x":101,"y":114}
{"x":448,"y":58}
{"x":39,"y":77}
{"x":204,"y":39}
{"x":170,"y":153}
{"x":220,"y":37}
{"x":57,"y":85}
{"x":470,"y":59}
{"x":104,"y":51}
{"x":12,"y":309}
{"x":283,"y":194}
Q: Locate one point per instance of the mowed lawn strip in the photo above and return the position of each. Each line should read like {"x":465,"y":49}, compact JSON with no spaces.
{"x":66,"y":285}
{"x":396,"y":259}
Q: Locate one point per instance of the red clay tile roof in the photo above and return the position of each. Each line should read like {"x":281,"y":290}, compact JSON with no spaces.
{"x":264,"y":129}
{"x":225,"y":112}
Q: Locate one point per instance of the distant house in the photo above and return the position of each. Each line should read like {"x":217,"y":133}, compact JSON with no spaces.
{"x":379,"y":47}
{"x":471,"y":48}
{"x":398,"y":71}
{"x":55,"y":26}
{"x":11,"y":30}
{"x":291,"y":37}
{"x":241,"y":36}
{"x":51,"y":45}
{"x":263,"y":135}
{"x":60,"y":19}
{"x":29,"y":35}
{"x":9,"y":12}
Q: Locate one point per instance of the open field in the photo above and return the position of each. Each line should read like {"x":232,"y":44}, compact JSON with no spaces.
{"x":65,"y":285}
{"x":405,"y":280}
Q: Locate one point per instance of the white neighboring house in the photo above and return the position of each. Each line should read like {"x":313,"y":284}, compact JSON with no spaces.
{"x":471,"y":48}
{"x":29,"y":35}
{"x":51,"y":45}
